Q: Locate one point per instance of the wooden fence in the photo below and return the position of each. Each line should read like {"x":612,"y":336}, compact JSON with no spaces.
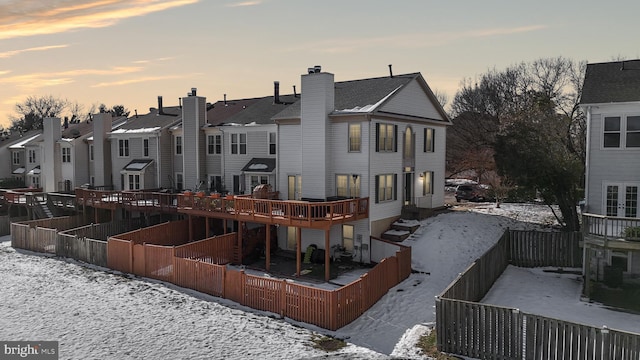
{"x":5,"y":223}
{"x":41,"y":235}
{"x":472,"y":329}
{"x":201,"y":266}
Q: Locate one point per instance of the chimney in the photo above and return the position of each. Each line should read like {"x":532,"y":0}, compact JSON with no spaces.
{"x":225,"y":99}
{"x":160,"y":108}
{"x":66,"y":122}
{"x":317,"y":69}
{"x":390,"y":71}
{"x":276,"y":92}
{"x":193,"y":92}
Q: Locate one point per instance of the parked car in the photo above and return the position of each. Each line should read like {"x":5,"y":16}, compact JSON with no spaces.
{"x":471,"y":193}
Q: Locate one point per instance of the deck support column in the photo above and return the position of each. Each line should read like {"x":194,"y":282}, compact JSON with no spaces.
{"x":267,"y":247}
{"x":206,"y":227}
{"x":327,"y":259}
{"x":240,"y":252}
{"x":190,"y":228}
{"x":224,"y":225}
{"x":298,"y":250}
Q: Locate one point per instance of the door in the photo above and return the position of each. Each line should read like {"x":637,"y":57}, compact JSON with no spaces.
{"x":408,"y":189}
{"x":621,"y":199}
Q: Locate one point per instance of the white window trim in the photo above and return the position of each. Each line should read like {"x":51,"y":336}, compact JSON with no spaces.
{"x":126,"y":149}
{"x":629,"y":256}
{"x":92,"y":153}
{"x":67,"y":155}
{"x":623,"y":132}
{"x":148,"y":148}
{"x":15,"y":158}
{"x":175,"y":148}
{"x":359,"y":137}
{"x":217,"y":141}
{"x":238,"y":144}
{"x":269,"y":143}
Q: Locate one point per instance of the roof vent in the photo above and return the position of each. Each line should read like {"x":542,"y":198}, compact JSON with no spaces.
{"x":317,"y":69}
{"x":310,"y":70}
{"x":193,"y":92}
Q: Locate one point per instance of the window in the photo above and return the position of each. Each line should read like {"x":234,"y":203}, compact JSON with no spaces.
{"x":428,"y":140}
{"x":32,"y":156}
{"x":354,"y":137}
{"x":215,"y":184}
{"x":385,"y":185}
{"x":91,"y":152}
{"x":66,"y":155}
{"x":619,"y":259}
{"x":178,"y":145}
{"x":145,"y":147}
{"x":272,"y":143}
{"x":294,"y":187}
{"x":621,"y":132}
{"x":123,"y":147}
{"x":386,"y":135}
{"x":633,"y":131}
{"x":134,"y":182}
{"x":427,"y":182}
{"x":214,"y":144}
{"x":92,"y":180}
{"x":347,"y":237}
{"x":35,"y":182}
{"x":258,"y":179}
{"x":179,"y":182}
{"x":348,"y":185}
{"x":16,"y":158}
{"x":238,"y":143}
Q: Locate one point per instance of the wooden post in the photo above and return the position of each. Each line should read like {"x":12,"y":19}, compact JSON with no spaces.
{"x":190,"y":228}
{"x":206,"y":227}
{"x":240,"y":225}
{"x":327,"y":263}
{"x":298,"y":250}
{"x":267,"y":247}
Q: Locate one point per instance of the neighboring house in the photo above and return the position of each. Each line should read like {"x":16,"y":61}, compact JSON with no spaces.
{"x":381,"y":138}
{"x":611,"y":102}
{"x":142,"y":151}
{"x":19,"y":156}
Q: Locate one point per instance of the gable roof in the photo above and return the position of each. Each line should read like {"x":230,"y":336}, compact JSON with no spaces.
{"x":261,"y":111}
{"x":611,"y":82}
{"x":362,"y":96}
{"x":154,"y":120}
{"x":221,"y":110}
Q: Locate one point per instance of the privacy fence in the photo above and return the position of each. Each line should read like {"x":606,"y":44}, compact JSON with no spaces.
{"x":468,"y":328}
{"x":203,"y":266}
{"x":69,"y":237}
{"x":166,"y":253}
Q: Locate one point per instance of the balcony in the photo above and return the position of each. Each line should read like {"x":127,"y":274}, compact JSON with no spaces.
{"x":613,"y":232}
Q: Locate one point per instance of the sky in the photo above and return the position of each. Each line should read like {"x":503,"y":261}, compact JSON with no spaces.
{"x":122,"y":52}
{"x":181,"y":323}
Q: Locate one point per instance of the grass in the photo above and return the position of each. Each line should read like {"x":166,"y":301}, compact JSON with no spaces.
{"x":626,"y":297}
{"x":427,"y":344}
{"x":327,"y":343}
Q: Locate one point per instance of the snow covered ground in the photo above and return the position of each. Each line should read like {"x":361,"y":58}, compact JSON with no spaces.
{"x":107,"y":315}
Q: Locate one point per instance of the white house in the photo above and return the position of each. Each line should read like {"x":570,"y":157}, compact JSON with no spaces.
{"x":611,"y":102}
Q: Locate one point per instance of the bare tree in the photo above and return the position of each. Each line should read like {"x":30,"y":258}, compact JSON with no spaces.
{"x":34,"y":109}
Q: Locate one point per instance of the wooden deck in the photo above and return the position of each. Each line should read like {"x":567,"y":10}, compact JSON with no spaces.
{"x":317,"y":215}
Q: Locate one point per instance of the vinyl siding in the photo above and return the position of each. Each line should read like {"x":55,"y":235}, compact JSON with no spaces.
{"x":384,"y":163}
{"x":412,"y":100}
{"x":609,"y":165}
{"x":289,"y":156}
{"x":345,"y":162}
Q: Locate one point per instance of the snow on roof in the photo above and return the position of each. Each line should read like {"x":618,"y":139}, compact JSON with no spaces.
{"x":135,"y":131}
{"x":257,"y":167}
{"x":20,"y":145}
{"x":19,"y":170}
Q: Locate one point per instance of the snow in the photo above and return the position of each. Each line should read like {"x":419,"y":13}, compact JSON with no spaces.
{"x":258,"y":167}
{"x":135,"y":131}
{"x":98,"y":312}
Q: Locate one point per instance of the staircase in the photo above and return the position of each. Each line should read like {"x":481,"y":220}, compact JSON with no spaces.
{"x":41,"y":208}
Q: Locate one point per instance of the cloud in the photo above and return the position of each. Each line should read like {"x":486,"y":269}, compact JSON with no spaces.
{"x":149,"y":61}
{"x":139,"y":80}
{"x":244,"y":3}
{"x":409,"y":41}
{"x":20,"y":18}
{"x":11,"y":53}
{"x":38,"y":80}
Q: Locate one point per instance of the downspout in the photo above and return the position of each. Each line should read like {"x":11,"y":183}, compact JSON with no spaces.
{"x":223,"y":159}
{"x":586,"y":166}
{"x":158,"y":167}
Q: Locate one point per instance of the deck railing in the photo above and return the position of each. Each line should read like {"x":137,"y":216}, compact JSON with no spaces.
{"x":609,"y":227}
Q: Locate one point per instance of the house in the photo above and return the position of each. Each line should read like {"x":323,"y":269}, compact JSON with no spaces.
{"x":379,"y":138}
{"x":21,"y":160}
{"x":611,"y":102}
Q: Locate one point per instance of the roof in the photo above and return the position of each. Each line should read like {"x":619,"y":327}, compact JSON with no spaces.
{"x":137,"y":165}
{"x":19,"y":170}
{"x":260,"y":111}
{"x":25,"y":139}
{"x":223,"y":109}
{"x":358,"y":95}
{"x":262,"y":165}
{"x":34,"y":171}
{"x":152,"y":121}
{"x":83,"y":128}
{"x":611,"y":82}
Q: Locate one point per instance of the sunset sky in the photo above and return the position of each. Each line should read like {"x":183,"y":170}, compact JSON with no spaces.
{"x":129,"y":52}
